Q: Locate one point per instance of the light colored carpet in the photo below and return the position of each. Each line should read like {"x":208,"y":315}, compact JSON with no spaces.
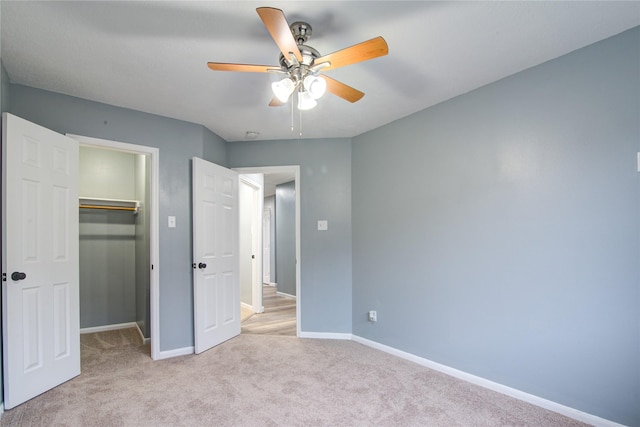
{"x":257,"y":380}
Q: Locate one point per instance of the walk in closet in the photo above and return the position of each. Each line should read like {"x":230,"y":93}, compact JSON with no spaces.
{"x":114,"y":239}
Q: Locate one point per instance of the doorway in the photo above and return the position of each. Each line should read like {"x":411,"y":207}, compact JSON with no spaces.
{"x":250,"y":202}
{"x":144,"y":229}
{"x":275,"y":176}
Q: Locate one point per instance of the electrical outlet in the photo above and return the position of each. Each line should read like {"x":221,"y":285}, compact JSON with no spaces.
{"x":373,"y":316}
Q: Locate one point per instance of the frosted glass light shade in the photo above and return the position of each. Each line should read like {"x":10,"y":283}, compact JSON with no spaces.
{"x":305,"y":101}
{"x":316,"y":86}
{"x":283,"y":89}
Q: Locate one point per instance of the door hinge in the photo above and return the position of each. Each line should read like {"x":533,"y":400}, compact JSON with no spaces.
{"x":193,"y":265}
{"x":4,"y":277}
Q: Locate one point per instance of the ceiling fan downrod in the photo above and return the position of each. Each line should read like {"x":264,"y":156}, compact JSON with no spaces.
{"x":301,"y":32}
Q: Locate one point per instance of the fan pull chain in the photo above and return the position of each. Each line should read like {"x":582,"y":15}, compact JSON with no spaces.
{"x":300,"y":111}
{"x":292,"y":115}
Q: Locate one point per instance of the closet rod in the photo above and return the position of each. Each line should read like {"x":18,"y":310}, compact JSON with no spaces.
{"x":112,"y":208}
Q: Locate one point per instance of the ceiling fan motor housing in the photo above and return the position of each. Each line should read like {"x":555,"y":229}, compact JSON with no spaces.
{"x":296,"y":69}
{"x":301,"y":31}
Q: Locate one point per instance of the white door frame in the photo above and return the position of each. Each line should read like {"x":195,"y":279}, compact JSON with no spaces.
{"x":256,"y":220}
{"x":295,"y":170}
{"x":154,"y":291}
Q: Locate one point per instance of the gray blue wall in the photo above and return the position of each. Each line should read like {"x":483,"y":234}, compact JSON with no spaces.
{"x":107,"y":267}
{"x":108,"y":244}
{"x":499,"y":232}
{"x":286,"y":237}
{"x":325,"y":193}
{"x":214,"y":148}
{"x":178,"y":142}
{"x":270,"y":203}
{"x":4,"y":89}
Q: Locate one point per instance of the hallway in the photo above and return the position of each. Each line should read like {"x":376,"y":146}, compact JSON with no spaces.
{"x":279,"y":317}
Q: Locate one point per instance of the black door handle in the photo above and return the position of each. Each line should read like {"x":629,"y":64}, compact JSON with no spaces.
{"x":202,"y":266}
{"x":16,"y":275}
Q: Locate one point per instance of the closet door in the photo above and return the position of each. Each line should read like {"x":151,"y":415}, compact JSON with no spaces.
{"x":216,"y":267}
{"x":40,"y":309}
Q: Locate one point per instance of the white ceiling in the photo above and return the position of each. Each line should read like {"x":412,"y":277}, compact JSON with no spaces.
{"x":152,"y":56}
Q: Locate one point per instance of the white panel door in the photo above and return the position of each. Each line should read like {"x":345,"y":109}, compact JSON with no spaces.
{"x":40,"y":294}
{"x":216,"y":293}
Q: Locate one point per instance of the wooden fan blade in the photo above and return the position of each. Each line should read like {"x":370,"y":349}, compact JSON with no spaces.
{"x":247,"y":68}
{"x":278,"y":27}
{"x":275,"y":102}
{"x":342,"y":90}
{"x":357,"y":53}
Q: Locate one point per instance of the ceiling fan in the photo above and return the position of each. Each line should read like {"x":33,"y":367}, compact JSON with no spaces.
{"x":302,"y":64}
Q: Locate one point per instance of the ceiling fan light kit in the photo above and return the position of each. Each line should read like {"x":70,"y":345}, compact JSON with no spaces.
{"x":282,"y":89}
{"x":301,"y":63}
{"x":305,"y":101}
{"x":315,"y":86}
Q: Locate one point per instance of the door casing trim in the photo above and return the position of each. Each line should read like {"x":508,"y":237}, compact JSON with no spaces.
{"x":295,"y":169}
{"x":154,"y":276}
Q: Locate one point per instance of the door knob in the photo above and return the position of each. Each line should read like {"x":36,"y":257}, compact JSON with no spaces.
{"x":16,"y":275}
{"x":202,"y":266}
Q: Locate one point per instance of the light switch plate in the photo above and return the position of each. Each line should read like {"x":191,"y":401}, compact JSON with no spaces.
{"x":323,"y":225}
{"x":172,"y":222}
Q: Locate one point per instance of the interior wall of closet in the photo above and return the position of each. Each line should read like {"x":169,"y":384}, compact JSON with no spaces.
{"x":114,"y":238}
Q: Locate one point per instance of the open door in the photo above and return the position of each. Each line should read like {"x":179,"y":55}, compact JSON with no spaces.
{"x":40,"y":291}
{"x":216,"y":293}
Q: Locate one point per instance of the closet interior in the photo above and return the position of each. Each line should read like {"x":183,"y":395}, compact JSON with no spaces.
{"x":114,"y":239}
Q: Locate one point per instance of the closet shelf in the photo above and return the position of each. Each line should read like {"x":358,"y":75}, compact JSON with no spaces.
{"x":108,"y":204}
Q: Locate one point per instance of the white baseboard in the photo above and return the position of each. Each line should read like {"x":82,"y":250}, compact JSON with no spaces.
{"x":167,"y":354}
{"x":108,"y":328}
{"x":325,"y":335}
{"x":250,"y":307}
{"x":482,"y":382}
{"x":1,"y":408}
{"x":144,"y":339}
{"x":282,"y":294}
{"x":115,"y":328}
